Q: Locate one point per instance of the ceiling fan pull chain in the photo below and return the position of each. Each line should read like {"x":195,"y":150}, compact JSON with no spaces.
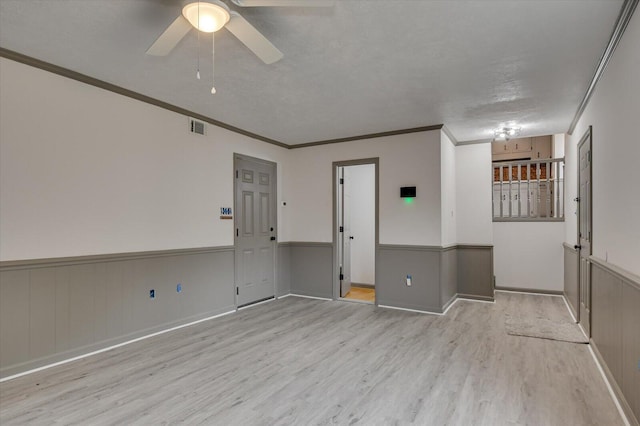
{"x":198,"y":46}
{"x":213,"y":62}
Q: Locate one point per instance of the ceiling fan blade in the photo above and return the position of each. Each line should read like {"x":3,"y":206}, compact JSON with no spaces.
{"x":170,"y":37}
{"x":284,"y":3}
{"x":253,"y":39}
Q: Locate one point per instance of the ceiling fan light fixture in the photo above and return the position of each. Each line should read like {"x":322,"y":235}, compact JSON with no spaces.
{"x":206,"y":16}
{"x":506,"y":132}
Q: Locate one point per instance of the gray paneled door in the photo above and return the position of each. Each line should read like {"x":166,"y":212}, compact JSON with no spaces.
{"x":255,"y":223}
{"x":584,"y":230}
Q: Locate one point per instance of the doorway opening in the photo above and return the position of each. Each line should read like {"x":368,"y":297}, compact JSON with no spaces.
{"x":355,"y":230}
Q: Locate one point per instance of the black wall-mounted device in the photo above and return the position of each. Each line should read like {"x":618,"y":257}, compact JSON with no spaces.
{"x":408,"y":192}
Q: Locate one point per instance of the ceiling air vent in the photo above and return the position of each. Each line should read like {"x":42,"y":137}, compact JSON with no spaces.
{"x":196,"y":126}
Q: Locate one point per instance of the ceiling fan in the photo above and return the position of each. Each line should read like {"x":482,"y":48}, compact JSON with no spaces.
{"x":211,"y":15}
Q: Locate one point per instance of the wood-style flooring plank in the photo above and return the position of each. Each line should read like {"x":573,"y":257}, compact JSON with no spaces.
{"x":304,"y":361}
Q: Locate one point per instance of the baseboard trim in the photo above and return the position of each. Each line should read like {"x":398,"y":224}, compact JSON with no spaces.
{"x":566,"y":303}
{"x":475,"y":298}
{"x":555,"y":293}
{"x":449,"y":303}
{"x":616,"y":394}
{"x":210,"y":316}
{"x":419,"y":311}
{"x":309,"y":297}
{"x":284,"y":295}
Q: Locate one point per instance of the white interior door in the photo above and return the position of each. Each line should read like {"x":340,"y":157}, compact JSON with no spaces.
{"x":344,"y":231}
{"x":255,"y":221}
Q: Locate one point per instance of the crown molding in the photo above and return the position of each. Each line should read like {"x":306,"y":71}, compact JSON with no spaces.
{"x":447,"y":132}
{"x":369,"y":136}
{"x":83,"y":78}
{"x":92,"y":81}
{"x":624,"y":17}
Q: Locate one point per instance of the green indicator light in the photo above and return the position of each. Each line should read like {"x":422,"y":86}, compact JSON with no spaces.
{"x":408,"y":200}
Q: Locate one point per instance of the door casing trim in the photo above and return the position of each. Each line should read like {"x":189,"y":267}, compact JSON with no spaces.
{"x":334,"y":169}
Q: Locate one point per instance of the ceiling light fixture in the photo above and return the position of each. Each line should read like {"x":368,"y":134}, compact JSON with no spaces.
{"x":506,"y":133}
{"x":207,"y":16}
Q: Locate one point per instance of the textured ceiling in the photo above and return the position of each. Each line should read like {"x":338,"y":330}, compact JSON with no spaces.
{"x":359,"y":67}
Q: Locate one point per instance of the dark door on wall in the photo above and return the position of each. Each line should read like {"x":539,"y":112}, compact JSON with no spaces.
{"x":255,"y":229}
{"x":584,"y":230}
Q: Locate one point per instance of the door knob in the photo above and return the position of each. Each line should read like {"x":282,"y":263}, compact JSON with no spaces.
{"x":273,"y":238}
{"x":577,"y":247}
{"x":351,"y":237}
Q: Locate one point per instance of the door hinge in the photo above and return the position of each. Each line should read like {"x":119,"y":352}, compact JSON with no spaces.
{"x":341,"y":181}
{"x":589,"y":155}
{"x":342,"y":229}
{"x":236,"y":174}
{"x":341,"y":277}
{"x":237,"y":291}
{"x":237,"y":232}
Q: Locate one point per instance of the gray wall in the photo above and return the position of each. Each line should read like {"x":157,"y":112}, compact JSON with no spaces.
{"x":283,"y":279}
{"x":395,"y":262}
{"x":615,"y":328}
{"x":475,"y":271}
{"x":571,"y":259}
{"x":52,"y":310}
{"x":448,"y":276}
{"x":311,"y":269}
{"x":438,"y":275}
{"x":55,"y":309}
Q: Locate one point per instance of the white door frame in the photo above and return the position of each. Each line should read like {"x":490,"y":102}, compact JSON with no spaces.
{"x":236,"y":218}
{"x":336,"y":261}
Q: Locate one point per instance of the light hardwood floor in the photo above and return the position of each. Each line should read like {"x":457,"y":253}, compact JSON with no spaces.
{"x":304,"y":361}
{"x":364,"y":294}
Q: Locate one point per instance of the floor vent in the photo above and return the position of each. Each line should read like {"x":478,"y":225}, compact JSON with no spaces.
{"x":196,"y":126}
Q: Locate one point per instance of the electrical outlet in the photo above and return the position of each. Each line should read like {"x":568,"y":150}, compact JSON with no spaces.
{"x":152,"y":294}
{"x":178,"y":288}
{"x":408,"y":281}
